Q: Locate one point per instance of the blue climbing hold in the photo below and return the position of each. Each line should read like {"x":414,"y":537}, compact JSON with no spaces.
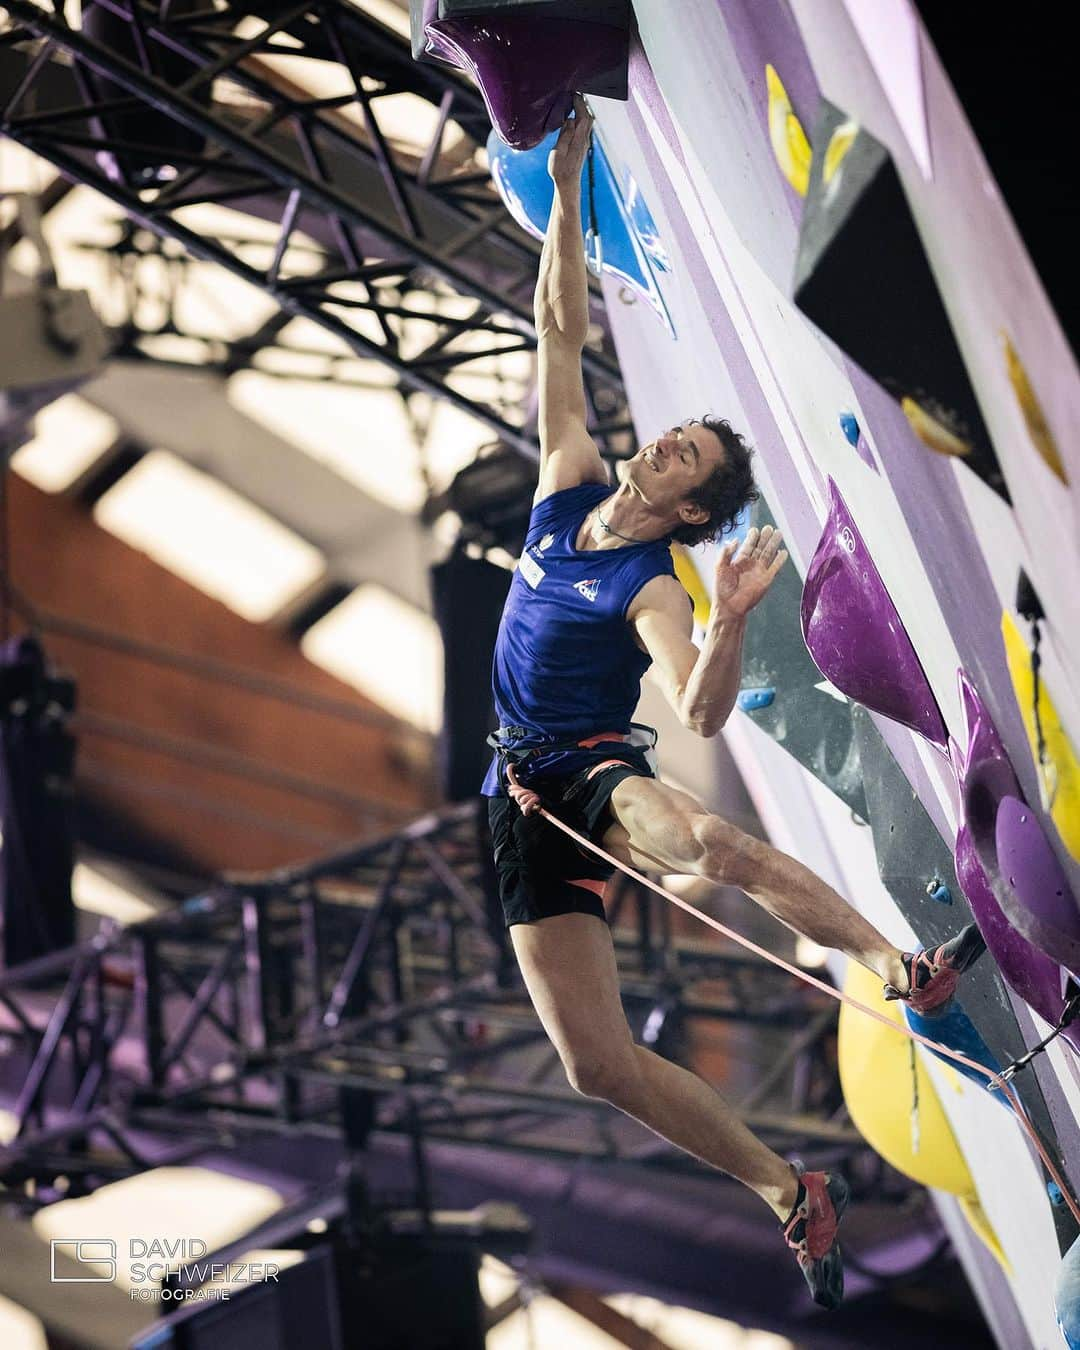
{"x":622,"y":239}
{"x":937,"y":890}
{"x":749,"y":700}
{"x":1053,"y":1190}
{"x":849,"y":425}
{"x":955,"y":1031}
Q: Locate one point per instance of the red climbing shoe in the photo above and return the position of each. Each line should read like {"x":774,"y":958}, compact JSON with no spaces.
{"x":810,"y":1232}
{"x":933,"y":975}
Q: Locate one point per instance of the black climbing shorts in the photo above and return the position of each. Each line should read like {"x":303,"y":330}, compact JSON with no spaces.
{"x":541,"y":871}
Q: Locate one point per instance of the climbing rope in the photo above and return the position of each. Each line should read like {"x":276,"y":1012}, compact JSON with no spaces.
{"x":999,"y":1082}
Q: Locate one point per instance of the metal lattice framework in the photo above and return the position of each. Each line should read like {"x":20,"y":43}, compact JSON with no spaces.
{"x":383,"y":971}
{"x":153,"y":280}
{"x":389,"y":223}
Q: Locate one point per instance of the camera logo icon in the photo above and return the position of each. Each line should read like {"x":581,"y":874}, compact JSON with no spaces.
{"x":94,"y":1255}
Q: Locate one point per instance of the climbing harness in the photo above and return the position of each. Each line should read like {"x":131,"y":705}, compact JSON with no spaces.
{"x":502,"y":741}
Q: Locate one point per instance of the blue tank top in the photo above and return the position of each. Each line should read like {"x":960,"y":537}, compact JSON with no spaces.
{"x":566,"y":664}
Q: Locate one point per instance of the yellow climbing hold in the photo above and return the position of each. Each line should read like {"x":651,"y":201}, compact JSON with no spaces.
{"x":1059,"y":775}
{"x":687,"y":572}
{"x":789,"y":143}
{"x":973,"y":1211}
{"x":876,"y":1077}
{"x":1034,"y":418}
{"x":931,"y":432}
{"x":840,"y":142}
{"x":893,"y":1103}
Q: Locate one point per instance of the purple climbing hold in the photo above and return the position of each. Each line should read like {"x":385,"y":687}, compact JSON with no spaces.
{"x":984,"y":774}
{"x":1033,"y":890}
{"x":1029,"y":972}
{"x":854,"y":634}
{"x":1005,"y":865}
{"x":527,"y":67}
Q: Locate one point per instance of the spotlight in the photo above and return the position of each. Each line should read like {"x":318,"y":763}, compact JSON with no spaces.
{"x":493,"y":497}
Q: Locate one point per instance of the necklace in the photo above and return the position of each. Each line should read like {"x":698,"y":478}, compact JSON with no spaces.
{"x":626,"y":538}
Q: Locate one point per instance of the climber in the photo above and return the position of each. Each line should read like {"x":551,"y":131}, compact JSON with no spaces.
{"x":593,"y":603}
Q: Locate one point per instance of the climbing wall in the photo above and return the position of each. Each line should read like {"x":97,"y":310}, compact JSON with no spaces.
{"x":908,"y":390}
{"x":798,"y":229}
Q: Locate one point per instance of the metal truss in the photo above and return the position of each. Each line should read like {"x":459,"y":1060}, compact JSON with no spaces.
{"x":386,"y":221}
{"x":153,"y":280}
{"x":381,"y":975}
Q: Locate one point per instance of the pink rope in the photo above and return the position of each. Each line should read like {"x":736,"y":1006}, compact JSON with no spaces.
{"x":995,"y":1080}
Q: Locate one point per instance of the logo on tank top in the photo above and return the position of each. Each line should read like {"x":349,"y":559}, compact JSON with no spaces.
{"x":531,"y":570}
{"x":546,"y":542}
{"x":588,"y":588}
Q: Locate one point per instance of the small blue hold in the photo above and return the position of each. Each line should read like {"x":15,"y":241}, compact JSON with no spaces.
{"x":937,"y":890}
{"x":1053,"y":1190}
{"x":750,"y":700}
{"x":850,"y":427}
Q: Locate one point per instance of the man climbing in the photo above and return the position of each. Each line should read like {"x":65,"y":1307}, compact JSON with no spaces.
{"x":593,"y":603}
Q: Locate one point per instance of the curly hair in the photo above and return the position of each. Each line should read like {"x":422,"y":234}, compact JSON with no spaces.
{"x":727,"y":489}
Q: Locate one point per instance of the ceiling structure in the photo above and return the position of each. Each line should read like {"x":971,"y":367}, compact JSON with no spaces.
{"x":287,"y":122}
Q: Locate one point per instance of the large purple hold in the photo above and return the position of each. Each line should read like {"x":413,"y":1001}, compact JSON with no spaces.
{"x":1034,"y":892}
{"x":528,"y":67}
{"x":984,"y":775}
{"x":1029,"y":950}
{"x":1028,"y":972}
{"x":854,"y":633}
